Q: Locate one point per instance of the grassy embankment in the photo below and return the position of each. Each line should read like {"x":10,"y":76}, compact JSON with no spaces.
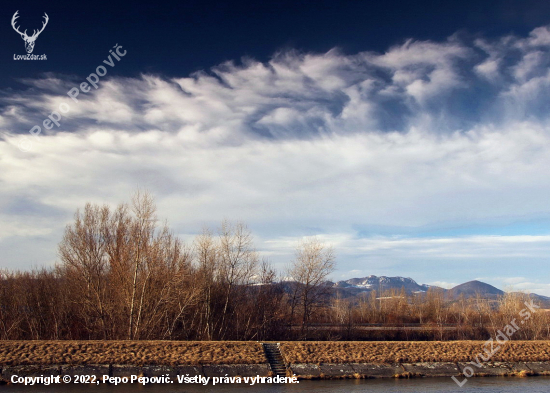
{"x":411,"y":351}
{"x":171,"y":353}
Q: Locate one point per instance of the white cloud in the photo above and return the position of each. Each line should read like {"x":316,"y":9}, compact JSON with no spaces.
{"x":444,"y":284}
{"x":426,"y":136}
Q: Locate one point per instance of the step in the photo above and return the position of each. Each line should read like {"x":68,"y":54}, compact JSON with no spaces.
{"x":275,"y":358}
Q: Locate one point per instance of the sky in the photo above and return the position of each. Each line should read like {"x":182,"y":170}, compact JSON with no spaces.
{"x":413,"y":137}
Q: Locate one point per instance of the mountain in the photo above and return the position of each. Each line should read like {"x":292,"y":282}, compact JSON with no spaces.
{"x":473,"y":288}
{"x":355,"y":286}
{"x":385,"y":283}
{"x":470,"y":289}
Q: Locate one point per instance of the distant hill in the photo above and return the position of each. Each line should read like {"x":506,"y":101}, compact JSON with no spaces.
{"x":473,"y":288}
{"x":543,"y":301}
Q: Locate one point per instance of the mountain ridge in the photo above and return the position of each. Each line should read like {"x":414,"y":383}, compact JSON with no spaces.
{"x":469,"y":289}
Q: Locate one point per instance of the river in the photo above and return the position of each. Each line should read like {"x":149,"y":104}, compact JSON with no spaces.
{"x":420,"y":385}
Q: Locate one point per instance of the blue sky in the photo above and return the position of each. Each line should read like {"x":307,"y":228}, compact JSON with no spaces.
{"x":413,"y":138}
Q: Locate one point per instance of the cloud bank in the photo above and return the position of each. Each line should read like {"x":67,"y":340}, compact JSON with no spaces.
{"x":430,"y":160}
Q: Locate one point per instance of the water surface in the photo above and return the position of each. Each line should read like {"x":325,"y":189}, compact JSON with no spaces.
{"x":420,"y":385}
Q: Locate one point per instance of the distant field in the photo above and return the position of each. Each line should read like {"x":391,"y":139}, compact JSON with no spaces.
{"x":15,"y":353}
{"x":411,"y":351}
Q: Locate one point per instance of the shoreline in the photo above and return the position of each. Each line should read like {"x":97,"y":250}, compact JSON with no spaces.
{"x":301,"y":371}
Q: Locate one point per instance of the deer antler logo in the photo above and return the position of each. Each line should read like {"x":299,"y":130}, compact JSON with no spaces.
{"x":29,"y":41}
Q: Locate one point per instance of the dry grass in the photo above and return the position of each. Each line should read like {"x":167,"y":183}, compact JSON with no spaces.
{"x":170,"y":353}
{"x":524,"y":373}
{"x":410,"y":351}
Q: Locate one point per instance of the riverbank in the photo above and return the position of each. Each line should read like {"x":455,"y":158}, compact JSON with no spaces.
{"x":137,"y":353}
{"x":406,"y":359}
{"x":389,"y":352}
{"x":307,"y":360}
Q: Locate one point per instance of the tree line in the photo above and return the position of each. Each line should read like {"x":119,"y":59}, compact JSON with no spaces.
{"x":434,"y":315}
{"x":121,"y":275}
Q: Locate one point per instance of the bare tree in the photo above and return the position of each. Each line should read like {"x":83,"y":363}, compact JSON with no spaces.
{"x":124,"y":271}
{"x":313,"y":263}
{"x":267,"y":302}
{"x":206,"y":255}
{"x":238,"y":263}
{"x":142,"y":232}
{"x":84,"y":259}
